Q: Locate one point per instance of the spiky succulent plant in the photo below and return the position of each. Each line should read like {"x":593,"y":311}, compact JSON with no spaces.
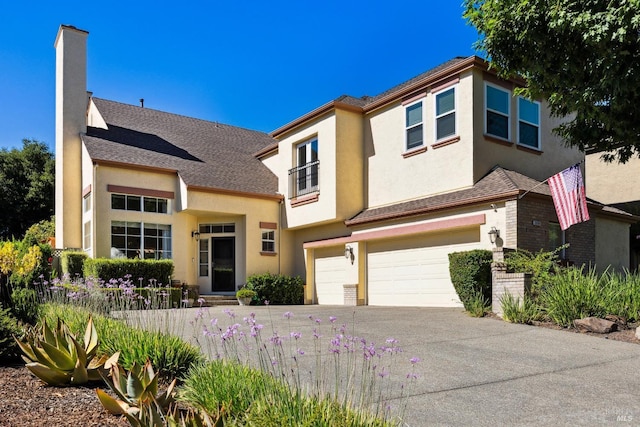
{"x":137,"y":392}
{"x":57,"y":358}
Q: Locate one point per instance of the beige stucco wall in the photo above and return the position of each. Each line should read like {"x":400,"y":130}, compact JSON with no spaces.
{"x":87,"y":217}
{"x":393,"y":178}
{"x":612,"y":244}
{"x":71,"y":108}
{"x":324,"y":209}
{"x":611,"y":183}
{"x":553,"y":157}
{"x":349,"y":164}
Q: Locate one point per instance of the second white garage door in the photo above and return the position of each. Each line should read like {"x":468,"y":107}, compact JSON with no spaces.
{"x":415,"y":271}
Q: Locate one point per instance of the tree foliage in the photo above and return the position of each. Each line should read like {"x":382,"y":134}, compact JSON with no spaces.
{"x":583,"y":57}
{"x":27,"y":179}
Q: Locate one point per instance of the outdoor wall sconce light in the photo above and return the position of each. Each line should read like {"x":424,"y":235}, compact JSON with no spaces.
{"x":348,"y":253}
{"x":195,"y":235}
{"x":494,"y":234}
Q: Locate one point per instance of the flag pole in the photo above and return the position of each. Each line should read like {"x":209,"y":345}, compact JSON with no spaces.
{"x":538,"y":185}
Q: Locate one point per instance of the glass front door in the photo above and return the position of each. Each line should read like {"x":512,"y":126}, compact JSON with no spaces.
{"x":223,"y":264}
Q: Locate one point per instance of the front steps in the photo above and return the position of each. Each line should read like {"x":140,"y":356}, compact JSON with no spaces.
{"x":216,"y":300}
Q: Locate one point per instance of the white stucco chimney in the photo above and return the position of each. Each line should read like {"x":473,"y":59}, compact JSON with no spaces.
{"x":71,"y":120}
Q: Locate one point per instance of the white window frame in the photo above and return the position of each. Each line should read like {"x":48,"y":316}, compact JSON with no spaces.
{"x":454,"y":112}
{"x":310,"y":186}
{"x":141,"y":249}
{"x":408,"y":127}
{"x":142,"y":201}
{"x":268,"y":240}
{"x":487,"y":109}
{"x":539,"y":147}
{"x":86,"y":236}
{"x":86,"y":203}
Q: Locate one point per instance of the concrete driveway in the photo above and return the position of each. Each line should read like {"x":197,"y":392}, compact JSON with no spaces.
{"x":483,"y":371}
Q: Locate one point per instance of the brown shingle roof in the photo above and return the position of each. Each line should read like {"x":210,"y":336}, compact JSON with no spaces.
{"x":205,"y":154}
{"x":499,"y":184}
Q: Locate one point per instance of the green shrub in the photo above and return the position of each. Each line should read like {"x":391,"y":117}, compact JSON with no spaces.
{"x":516,"y":311}
{"x":478,"y":305}
{"x":471,"y":275}
{"x":276,"y":288}
{"x":573,"y":294}
{"x":25,"y":305}
{"x":246,"y":293}
{"x":8,"y":328}
{"x":73,"y":263}
{"x":622,"y":296}
{"x":241,"y":395}
{"x":542,"y":265}
{"x":169,"y":354}
{"x":141,"y":271}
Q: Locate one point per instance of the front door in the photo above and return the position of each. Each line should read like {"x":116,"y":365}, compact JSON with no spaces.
{"x":223,"y":264}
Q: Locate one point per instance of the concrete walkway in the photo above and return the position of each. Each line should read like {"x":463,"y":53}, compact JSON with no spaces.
{"x":481,"y":372}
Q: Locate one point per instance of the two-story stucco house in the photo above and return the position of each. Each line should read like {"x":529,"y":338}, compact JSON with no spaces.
{"x":617,"y":185}
{"x":364,"y":197}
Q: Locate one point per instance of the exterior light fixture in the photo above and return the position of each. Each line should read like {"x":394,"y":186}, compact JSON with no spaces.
{"x":348,"y":253}
{"x":195,"y":235}
{"x":494,"y":234}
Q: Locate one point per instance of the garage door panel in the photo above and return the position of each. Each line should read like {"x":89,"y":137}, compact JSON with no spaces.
{"x":330,"y":274}
{"x":415,"y":271}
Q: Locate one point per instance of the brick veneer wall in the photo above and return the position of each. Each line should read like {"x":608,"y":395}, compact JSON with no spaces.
{"x":581,"y":237}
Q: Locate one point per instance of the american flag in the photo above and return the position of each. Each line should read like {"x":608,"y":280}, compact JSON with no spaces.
{"x":567,"y":190}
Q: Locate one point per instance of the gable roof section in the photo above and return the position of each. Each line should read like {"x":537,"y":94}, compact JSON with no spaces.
{"x":369,"y":103}
{"x":498,"y":184}
{"x":206,"y":155}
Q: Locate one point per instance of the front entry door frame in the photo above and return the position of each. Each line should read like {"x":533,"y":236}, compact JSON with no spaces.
{"x":223,"y":264}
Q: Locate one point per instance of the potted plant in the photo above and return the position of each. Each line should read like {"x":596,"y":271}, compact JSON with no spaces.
{"x":244,"y":296}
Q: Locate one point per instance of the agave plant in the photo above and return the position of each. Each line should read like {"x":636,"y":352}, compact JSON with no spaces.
{"x":138,"y":395}
{"x":57,"y":358}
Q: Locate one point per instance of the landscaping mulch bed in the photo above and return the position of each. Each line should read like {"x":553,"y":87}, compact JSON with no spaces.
{"x":25,"y":401}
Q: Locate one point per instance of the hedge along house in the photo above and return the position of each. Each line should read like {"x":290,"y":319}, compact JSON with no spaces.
{"x":139,"y":183}
{"x":364,"y":197}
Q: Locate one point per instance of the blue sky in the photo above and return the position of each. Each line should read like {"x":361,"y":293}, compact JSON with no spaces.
{"x":254,"y":64}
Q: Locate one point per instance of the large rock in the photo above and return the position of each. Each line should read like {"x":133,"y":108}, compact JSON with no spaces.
{"x":595,"y":324}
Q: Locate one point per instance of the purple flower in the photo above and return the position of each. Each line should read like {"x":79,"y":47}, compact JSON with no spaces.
{"x":414,"y":360}
{"x":287,"y":315}
{"x":300,"y":352}
{"x":332,"y":319}
{"x":295,"y":335}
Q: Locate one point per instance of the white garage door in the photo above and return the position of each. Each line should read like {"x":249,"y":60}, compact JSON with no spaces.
{"x":415,"y":271}
{"x":330,"y":274}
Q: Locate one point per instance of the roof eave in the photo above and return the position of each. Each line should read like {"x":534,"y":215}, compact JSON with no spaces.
{"x":415,"y":212}
{"x":323,"y":109}
{"x":274,"y":197}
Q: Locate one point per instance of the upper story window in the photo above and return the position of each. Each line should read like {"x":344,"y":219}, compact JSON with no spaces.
{"x":445,"y":113}
{"x":139,"y":203}
{"x":528,"y":123}
{"x":304,"y":177}
{"x":497,"y":107}
{"x":413,"y":125}
{"x":86,"y":203}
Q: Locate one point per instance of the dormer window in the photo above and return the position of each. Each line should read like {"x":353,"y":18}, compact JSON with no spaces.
{"x":413,"y":125}
{"x":497,"y":107}
{"x":445,"y":113}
